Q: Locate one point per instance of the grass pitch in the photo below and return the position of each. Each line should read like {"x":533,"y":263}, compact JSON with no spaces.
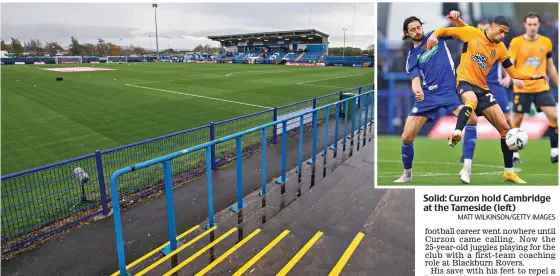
{"x":44,"y":121}
{"x":435,"y":163}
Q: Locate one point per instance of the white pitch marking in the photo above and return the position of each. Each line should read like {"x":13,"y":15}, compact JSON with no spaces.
{"x":175,"y":80}
{"x":442,"y":163}
{"x":145,"y":82}
{"x":259,"y":72}
{"x":211,"y":77}
{"x":332,"y":78}
{"x":452,"y":174}
{"x":329,"y":86}
{"x":198,"y":96}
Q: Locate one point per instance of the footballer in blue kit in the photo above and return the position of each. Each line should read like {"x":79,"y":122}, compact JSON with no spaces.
{"x":432,"y":73}
{"x":436,"y":71}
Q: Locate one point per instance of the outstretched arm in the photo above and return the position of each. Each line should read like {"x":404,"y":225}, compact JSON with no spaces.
{"x":513,"y":50}
{"x":520,"y":75}
{"x":507,"y":80}
{"x":462,"y":33}
{"x":454,"y":16}
{"x":513,"y":72}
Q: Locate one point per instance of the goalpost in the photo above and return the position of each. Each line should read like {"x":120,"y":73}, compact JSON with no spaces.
{"x":111,"y":59}
{"x":68,"y":60}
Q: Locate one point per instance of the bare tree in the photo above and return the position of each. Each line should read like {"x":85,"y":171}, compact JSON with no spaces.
{"x":102,"y":47}
{"x":199,"y":48}
{"x":52,"y":48}
{"x":34,"y":46}
{"x":89,"y":49}
{"x":139,"y":50}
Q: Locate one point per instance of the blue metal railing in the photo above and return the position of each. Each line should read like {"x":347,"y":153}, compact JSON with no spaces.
{"x":35,"y":201}
{"x":167,"y":159}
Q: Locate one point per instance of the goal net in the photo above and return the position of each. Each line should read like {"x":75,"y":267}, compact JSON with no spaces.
{"x":111,"y":59}
{"x":68,"y":60}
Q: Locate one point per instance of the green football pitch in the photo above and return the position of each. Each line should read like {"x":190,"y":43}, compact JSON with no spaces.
{"x":45,"y":121}
{"x":435,"y":163}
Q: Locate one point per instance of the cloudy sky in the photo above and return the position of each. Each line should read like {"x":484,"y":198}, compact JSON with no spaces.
{"x":182,"y":25}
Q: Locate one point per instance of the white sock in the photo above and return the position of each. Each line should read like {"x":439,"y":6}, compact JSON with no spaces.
{"x":509,"y":170}
{"x":408,"y":171}
{"x":554,"y":152}
{"x":516,"y":155}
{"x":467,"y":164}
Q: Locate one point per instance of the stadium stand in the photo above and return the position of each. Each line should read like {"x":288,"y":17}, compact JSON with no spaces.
{"x":294,"y":47}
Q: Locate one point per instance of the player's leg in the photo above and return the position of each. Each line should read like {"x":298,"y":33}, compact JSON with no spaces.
{"x":470,"y":140}
{"x":411,"y":128}
{"x":545,"y":102}
{"x":469,"y":144}
{"x":521,"y":105}
{"x":501,"y":97}
{"x":470,"y":99}
{"x":500,"y":94}
{"x":496,"y":117}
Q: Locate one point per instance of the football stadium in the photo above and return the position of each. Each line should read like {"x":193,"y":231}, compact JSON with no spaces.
{"x":434,"y":161}
{"x":229,"y":147}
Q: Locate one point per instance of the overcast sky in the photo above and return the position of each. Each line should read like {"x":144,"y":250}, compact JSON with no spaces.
{"x":182,"y":25}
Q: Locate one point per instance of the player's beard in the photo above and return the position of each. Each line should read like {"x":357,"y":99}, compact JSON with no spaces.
{"x":418,"y":39}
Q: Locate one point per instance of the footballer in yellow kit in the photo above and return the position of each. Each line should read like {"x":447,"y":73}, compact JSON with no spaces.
{"x":532,"y":53}
{"x":482,"y":48}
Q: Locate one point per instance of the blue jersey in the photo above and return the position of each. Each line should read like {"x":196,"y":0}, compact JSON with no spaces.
{"x":435,"y":67}
{"x":495,"y":74}
{"x":436,"y":70}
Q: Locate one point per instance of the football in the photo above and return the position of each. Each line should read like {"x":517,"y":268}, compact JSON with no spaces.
{"x":516,"y":139}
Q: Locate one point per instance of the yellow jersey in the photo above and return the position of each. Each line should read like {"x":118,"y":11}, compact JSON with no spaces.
{"x":479,"y":55}
{"x":531,"y":56}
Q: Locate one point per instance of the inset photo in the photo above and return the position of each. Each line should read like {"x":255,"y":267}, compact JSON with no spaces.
{"x":467,"y":94}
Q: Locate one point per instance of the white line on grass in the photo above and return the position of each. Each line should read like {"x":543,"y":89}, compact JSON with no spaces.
{"x":211,"y":77}
{"x":198,"y":96}
{"x":452,"y":174}
{"x":144,"y":82}
{"x":442,"y":163}
{"x":329,"y":86}
{"x":392,"y":174}
{"x":260,"y":72}
{"x":202,"y":78}
{"x":303,"y":82}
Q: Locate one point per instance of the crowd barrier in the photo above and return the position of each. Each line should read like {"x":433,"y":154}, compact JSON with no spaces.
{"x":43,"y":201}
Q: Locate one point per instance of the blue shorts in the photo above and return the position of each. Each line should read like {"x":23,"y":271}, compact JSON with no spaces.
{"x":500,"y":94}
{"x":430,"y":106}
